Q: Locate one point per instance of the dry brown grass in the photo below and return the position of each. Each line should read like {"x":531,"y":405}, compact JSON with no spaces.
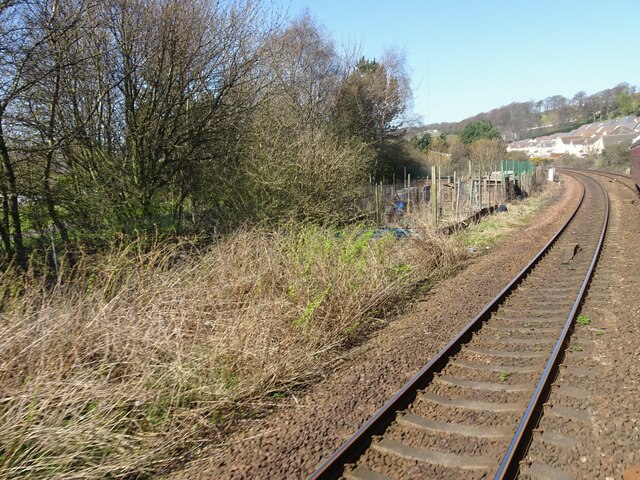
{"x":122,"y":366}
{"x":494,"y":228}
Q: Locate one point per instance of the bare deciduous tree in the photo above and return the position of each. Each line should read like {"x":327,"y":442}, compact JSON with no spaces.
{"x":129,"y":115}
{"x":486,"y":154}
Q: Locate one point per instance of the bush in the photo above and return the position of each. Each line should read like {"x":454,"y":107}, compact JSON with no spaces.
{"x":615,"y":157}
{"x":117,"y":368}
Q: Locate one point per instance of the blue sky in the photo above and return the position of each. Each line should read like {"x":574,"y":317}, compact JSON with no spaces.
{"x":466,"y":57}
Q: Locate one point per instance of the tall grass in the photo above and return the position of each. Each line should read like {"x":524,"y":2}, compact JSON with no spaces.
{"x":496,"y":227}
{"x":128,"y":361}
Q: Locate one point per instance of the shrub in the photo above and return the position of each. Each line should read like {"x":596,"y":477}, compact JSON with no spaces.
{"x":131,"y":358}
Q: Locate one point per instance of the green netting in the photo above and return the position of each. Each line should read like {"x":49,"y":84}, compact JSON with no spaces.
{"x":517,"y":166}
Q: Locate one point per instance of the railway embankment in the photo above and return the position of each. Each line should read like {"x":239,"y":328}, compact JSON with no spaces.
{"x":597,"y":433}
{"x":291,"y":442}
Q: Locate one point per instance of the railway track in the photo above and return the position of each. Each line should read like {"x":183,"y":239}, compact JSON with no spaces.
{"x":473,"y":408}
{"x":624,"y":180}
{"x":566,"y":447}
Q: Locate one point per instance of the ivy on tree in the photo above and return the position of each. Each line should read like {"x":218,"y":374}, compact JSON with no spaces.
{"x":422,"y":142}
{"x":479,"y":130}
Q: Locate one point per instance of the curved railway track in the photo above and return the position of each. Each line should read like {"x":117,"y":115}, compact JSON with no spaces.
{"x":566,"y":446}
{"x":474,"y":406}
{"x":624,"y":180}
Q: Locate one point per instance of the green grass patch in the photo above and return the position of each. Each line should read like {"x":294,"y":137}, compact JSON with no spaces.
{"x":583,"y":320}
{"x":153,"y":344}
{"x":494,"y":228}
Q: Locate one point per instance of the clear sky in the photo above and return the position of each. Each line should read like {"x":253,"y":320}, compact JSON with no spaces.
{"x":469,"y":56}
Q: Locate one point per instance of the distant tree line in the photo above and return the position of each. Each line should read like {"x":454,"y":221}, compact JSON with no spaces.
{"x":192,"y":116}
{"x":520,"y":120}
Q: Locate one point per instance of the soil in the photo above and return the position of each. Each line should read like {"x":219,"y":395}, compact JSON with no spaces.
{"x":465,"y":398}
{"x":598,"y":433}
{"x":291,"y":441}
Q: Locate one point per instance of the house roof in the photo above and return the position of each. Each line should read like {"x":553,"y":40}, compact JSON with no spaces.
{"x":589,"y":134}
{"x":622,"y":129}
{"x":619,"y":139}
{"x":585,"y":141}
{"x":570,"y":138}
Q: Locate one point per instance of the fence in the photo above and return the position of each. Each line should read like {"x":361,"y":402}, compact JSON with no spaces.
{"x":453,"y":197}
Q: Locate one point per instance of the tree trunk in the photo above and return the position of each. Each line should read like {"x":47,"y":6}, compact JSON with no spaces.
{"x":51,"y":208}
{"x":12,"y":198}
{"x":4,"y":224}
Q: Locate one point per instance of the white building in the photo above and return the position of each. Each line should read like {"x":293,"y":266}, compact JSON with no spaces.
{"x":585,"y":140}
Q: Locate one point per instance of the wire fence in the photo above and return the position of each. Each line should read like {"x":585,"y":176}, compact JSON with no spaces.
{"x":453,"y":197}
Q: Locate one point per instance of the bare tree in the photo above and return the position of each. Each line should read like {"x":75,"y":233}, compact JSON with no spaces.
{"x":127,"y":115}
{"x":305,"y":71}
{"x":486,"y":154}
{"x":168,"y":76}
{"x":22,"y":68}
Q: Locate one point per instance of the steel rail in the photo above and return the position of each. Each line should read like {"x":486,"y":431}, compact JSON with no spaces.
{"x":333,"y":467}
{"x":604,"y":173}
{"x":633,"y":187}
{"x":520,"y":443}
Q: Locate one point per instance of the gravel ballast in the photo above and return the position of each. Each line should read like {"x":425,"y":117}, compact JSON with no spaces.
{"x":291,"y":441}
{"x":595,"y":432}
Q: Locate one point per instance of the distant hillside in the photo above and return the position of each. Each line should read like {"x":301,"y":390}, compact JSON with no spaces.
{"x":522,"y":120}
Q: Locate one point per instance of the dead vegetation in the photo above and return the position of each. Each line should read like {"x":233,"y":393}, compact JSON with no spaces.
{"x":121,"y":367}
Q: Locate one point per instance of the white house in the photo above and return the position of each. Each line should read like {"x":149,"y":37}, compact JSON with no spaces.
{"x":587,"y":139}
